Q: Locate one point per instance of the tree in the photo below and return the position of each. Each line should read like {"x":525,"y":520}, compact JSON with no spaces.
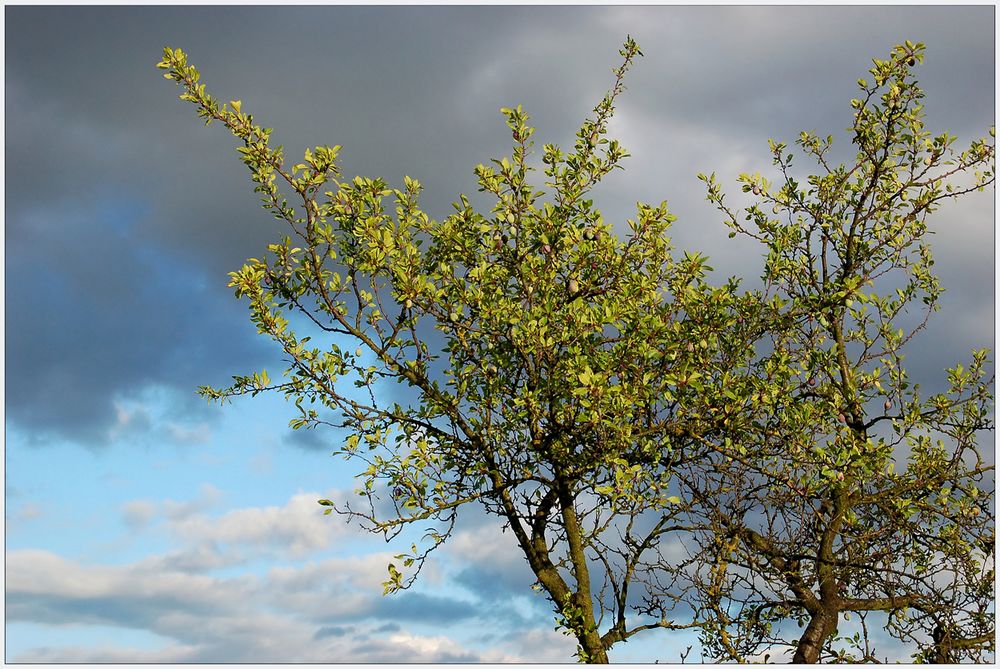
{"x":604,"y":401}
{"x":863,"y":496}
{"x":559,"y":375}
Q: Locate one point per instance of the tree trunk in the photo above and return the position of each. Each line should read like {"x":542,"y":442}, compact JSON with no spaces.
{"x":592,"y":645}
{"x":942,"y":646}
{"x":822,"y":625}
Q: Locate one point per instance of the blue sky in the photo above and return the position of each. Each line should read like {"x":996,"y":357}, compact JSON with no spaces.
{"x":143,"y":524}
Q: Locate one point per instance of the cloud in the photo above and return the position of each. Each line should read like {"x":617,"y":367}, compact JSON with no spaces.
{"x":179,"y":512}
{"x":324,"y":632}
{"x":313,"y":439}
{"x":304,"y":604}
{"x":241,"y":618}
{"x":491,"y":565}
{"x":137,"y":514}
{"x":296,"y":529}
{"x":117,"y":323}
{"x":417,"y":606}
{"x":127,"y":256}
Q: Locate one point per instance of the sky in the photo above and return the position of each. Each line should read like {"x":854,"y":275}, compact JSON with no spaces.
{"x":144,"y":525}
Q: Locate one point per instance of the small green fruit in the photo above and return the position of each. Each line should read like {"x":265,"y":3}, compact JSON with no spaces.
{"x":453,"y":317}
{"x":574,"y":286}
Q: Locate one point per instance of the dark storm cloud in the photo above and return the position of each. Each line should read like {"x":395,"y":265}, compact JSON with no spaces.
{"x":124,"y":213}
{"x":95,"y":315}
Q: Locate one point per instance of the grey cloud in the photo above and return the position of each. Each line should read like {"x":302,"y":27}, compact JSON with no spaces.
{"x":312,"y":439}
{"x":124,"y":213}
{"x":331,"y":631}
{"x":138,"y":513}
{"x":105,"y":317}
{"x":416,"y":606}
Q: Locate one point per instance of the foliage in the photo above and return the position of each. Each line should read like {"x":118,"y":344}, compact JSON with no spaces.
{"x":863,"y":495}
{"x":607,"y":403}
{"x":555,"y":372}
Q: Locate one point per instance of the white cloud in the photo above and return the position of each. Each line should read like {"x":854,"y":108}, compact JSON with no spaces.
{"x":282,"y":614}
{"x":245,"y":618}
{"x":296,"y":529}
{"x":208,"y":496}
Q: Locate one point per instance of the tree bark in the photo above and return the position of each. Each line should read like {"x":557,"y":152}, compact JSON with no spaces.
{"x":585,"y":626}
{"x":821,"y":626}
{"x":593,"y":646}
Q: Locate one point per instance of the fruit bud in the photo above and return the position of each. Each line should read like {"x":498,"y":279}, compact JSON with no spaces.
{"x":812,"y":381}
{"x":928,"y":160}
{"x":574,"y":286}
{"x":842,"y":418}
{"x":840,"y":476}
{"x":776,"y":209}
{"x":409,"y":303}
{"x":756,"y":190}
{"x":690,"y":347}
{"x":887,"y":405}
{"x":911,"y":62}
{"x":546,"y":249}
